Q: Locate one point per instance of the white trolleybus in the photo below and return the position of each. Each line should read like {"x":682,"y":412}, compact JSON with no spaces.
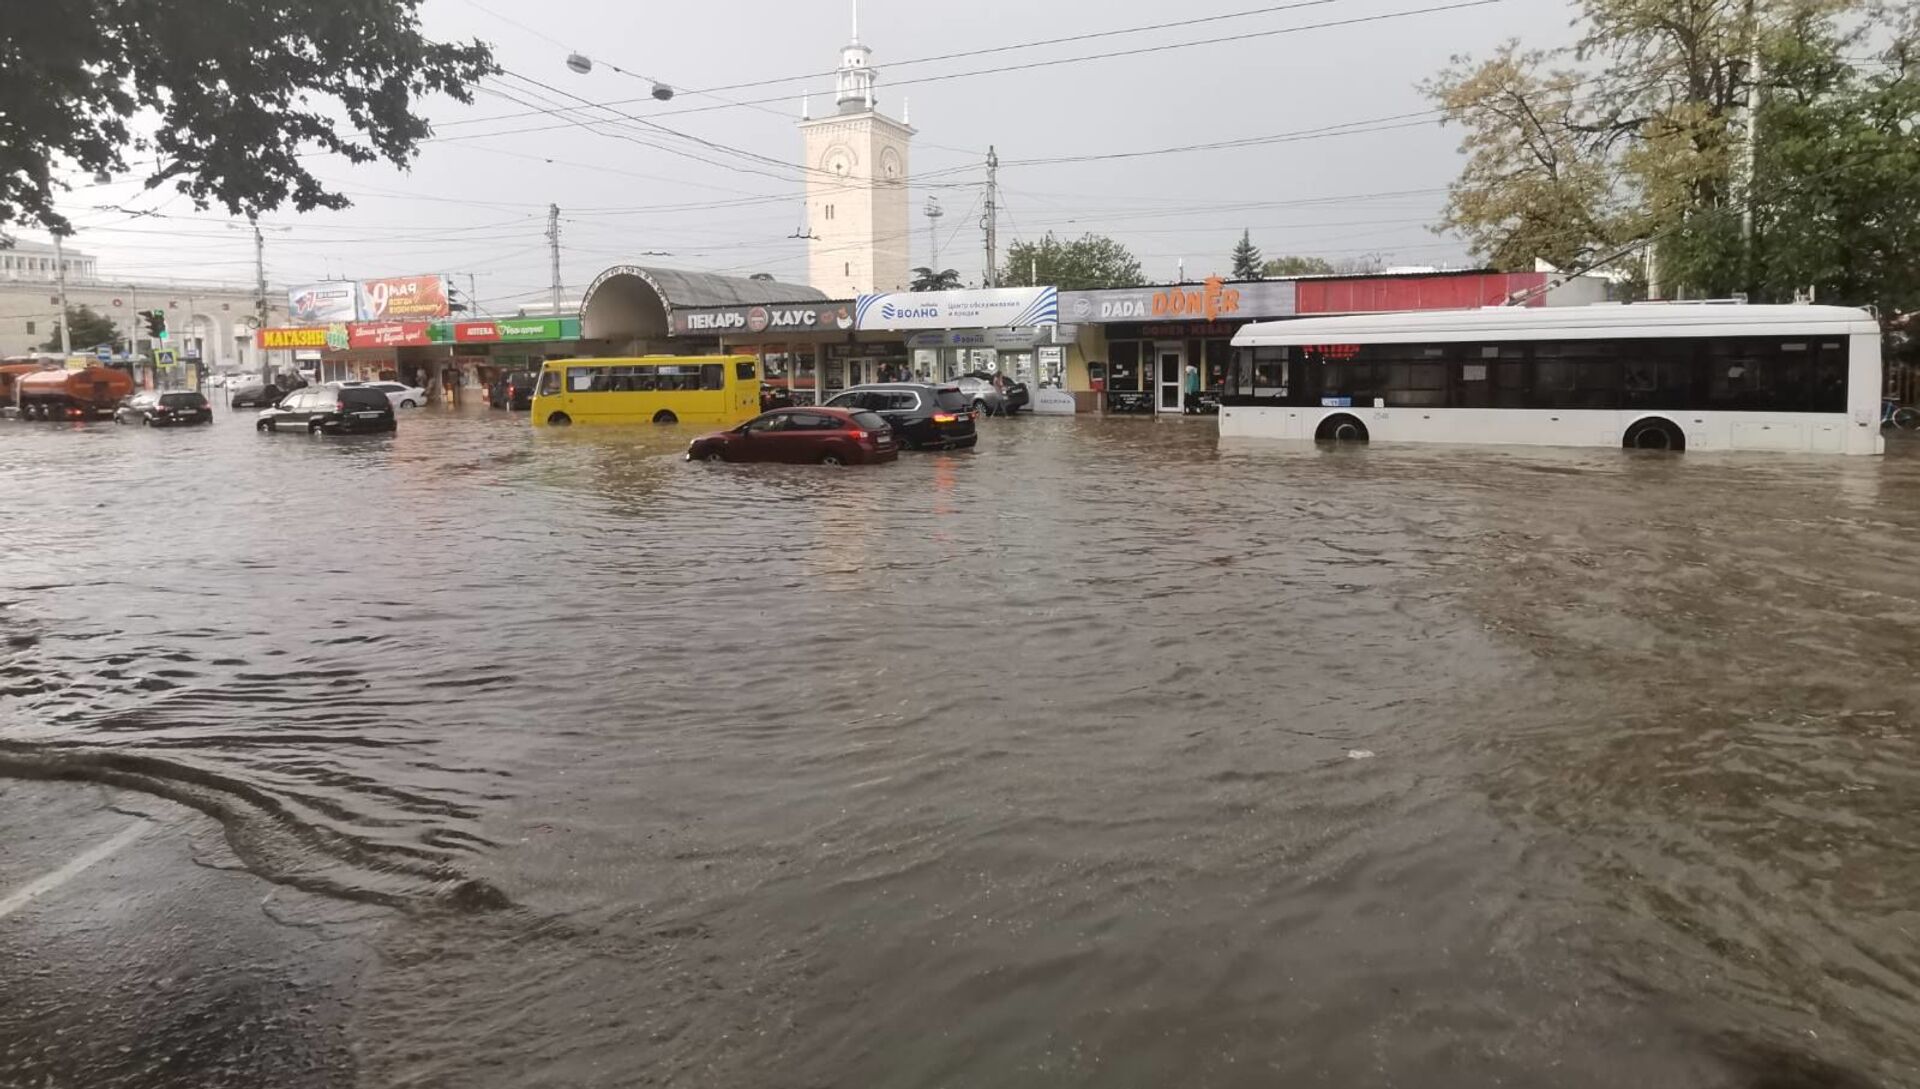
{"x":1664,"y":376}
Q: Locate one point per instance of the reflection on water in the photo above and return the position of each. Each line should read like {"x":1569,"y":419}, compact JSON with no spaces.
{"x":1028,"y":765}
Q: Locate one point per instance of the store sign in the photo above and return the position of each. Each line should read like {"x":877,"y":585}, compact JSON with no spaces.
{"x":318,"y":304}
{"x":1211,"y":301}
{"x":489,"y":332}
{"x":790,"y":318}
{"x":1007,"y":339}
{"x":279,"y":339}
{"x":389,"y":334}
{"x":990,"y":308}
{"x":403,"y":297}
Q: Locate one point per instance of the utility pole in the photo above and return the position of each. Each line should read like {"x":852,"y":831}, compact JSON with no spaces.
{"x":934,"y":212}
{"x":553,"y":244}
{"x":473,"y":300}
{"x":1749,"y":179}
{"x":991,"y":219}
{"x":60,"y":268}
{"x":260,"y":292}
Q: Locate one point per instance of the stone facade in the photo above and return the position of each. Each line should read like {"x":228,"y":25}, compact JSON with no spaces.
{"x":210,"y":317}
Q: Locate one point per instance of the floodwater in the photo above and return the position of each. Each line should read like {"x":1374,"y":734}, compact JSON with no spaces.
{"x":1100,"y":756}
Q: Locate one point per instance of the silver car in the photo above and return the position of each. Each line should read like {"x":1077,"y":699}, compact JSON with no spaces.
{"x":987,"y":401}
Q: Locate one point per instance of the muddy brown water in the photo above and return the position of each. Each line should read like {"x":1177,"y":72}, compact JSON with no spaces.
{"x":1103,"y":755}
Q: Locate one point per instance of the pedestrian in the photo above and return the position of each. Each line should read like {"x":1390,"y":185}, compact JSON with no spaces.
{"x":1191,"y":381}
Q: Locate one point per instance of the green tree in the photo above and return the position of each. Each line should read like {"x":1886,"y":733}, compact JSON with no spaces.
{"x":1247,"y":264}
{"x":1083,"y":264}
{"x":1296,"y":266}
{"x":1639,"y":135}
{"x":89,"y":329}
{"x":926,"y":279}
{"x":229,"y":101}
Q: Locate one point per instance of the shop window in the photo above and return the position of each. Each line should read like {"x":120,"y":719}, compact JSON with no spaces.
{"x":1123,"y":366}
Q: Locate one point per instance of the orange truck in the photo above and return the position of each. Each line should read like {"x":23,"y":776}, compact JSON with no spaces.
{"x":88,"y":393}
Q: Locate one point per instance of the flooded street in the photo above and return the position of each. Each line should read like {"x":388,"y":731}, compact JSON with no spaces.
{"x":1103,"y":755}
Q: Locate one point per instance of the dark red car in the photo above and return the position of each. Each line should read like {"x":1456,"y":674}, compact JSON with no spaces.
{"x":802,"y":436}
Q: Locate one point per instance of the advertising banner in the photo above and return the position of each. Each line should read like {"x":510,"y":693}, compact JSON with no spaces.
{"x":989,"y":308}
{"x":276,"y":339}
{"x":399,"y":297}
{"x":389,"y":334}
{"x":1010,"y":339}
{"x":318,"y":304}
{"x":1214,"y":300}
{"x":792,"y":318}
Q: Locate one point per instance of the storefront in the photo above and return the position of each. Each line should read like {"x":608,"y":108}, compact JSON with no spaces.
{"x":1153,"y":350}
{"x":450,"y":360}
{"x":809,"y":351}
{"x":1010,"y":330}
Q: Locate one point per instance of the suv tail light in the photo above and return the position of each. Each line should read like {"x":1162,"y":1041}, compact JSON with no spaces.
{"x":945,"y":418}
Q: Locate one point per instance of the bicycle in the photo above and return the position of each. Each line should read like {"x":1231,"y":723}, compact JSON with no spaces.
{"x":1904,"y":417}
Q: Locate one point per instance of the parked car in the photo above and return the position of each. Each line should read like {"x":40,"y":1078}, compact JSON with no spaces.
{"x":400,"y":394}
{"x":255,"y":396}
{"x":333,"y":409}
{"x":166,"y":409}
{"x":1013,"y":391}
{"x":922,"y":415}
{"x":987,"y":401}
{"x":825,"y":436}
{"x":513,"y":392}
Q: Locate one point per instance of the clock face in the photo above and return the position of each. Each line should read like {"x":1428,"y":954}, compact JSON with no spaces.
{"x":890,"y":165}
{"x":838,"y":160}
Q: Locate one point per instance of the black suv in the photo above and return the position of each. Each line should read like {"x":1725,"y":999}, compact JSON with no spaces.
{"x":164,"y":409}
{"x":334,"y":409}
{"x":922,"y":415}
{"x":512,"y":391}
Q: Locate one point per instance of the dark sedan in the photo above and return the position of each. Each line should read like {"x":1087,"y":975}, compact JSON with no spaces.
{"x":332,"y":409}
{"x":513,"y":392}
{"x":923,"y":416}
{"x":168,"y":409}
{"x":256,"y":396}
{"x":802,"y":436}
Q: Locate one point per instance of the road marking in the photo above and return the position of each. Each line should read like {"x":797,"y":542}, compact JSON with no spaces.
{"x":100,"y":851}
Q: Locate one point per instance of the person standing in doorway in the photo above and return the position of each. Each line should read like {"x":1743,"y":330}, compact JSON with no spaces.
{"x":1190,"y":386}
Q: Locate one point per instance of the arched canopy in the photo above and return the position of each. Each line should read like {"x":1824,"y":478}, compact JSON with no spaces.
{"x":628,"y":302}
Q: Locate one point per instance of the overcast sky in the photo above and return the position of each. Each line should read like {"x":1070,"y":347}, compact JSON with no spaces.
{"x":475,"y":201}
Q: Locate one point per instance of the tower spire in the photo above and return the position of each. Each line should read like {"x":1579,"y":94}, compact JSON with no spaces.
{"x":856,"y":22}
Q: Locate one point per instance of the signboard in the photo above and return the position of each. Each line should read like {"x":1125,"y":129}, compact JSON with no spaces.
{"x":988,"y":308}
{"x":509,"y":331}
{"x":103,"y":353}
{"x":318,"y":304}
{"x":307,"y":337}
{"x":389,"y":334}
{"x":403,"y":297}
{"x":1210,"y":301}
{"x":164,"y":357}
{"x":1014,"y":339}
{"x":776,"y":318}
{"x":1128,"y":403}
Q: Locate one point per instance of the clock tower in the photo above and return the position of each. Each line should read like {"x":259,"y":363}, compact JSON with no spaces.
{"x":856,"y":176}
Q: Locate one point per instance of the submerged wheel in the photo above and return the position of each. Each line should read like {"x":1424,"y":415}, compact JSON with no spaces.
{"x":980,"y":409}
{"x":665,"y":417}
{"x":1341,"y":428}
{"x":559,"y":419}
{"x":408,"y":403}
{"x":1654,"y":434}
{"x":1907,"y":419}
{"x":831,"y":458}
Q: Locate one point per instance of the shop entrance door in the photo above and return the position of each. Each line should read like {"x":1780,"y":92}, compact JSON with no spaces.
{"x":1169,"y":360}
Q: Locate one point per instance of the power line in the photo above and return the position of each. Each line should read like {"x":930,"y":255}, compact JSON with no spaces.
{"x":1025,"y":66}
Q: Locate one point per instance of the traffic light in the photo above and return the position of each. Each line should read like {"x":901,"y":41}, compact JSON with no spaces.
{"x":156,"y":321}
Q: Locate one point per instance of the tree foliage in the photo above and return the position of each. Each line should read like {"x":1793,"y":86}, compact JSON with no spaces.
{"x":1082,"y":264}
{"x":220,"y":98}
{"x":1247,"y":264}
{"x":926,"y":279}
{"x":88,"y":329}
{"x":1640,"y":133}
{"x":1296,"y":266}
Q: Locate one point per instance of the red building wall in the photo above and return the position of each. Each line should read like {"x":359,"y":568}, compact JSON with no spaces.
{"x":1372,"y":294}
